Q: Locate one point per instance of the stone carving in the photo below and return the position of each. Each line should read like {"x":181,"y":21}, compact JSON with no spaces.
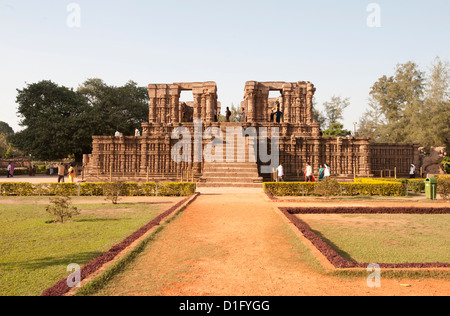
{"x":431,"y":163}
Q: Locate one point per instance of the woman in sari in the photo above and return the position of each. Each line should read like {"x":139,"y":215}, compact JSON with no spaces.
{"x":321,"y":173}
{"x":71,"y":174}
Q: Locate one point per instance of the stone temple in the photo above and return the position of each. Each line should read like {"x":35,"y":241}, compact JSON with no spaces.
{"x":299,"y":141}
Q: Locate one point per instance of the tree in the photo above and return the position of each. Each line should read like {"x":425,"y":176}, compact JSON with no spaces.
{"x":55,"y":120}
{"x":370,"y":121}
{"x":334,"y":110}
{"x":336,"y":130}
{"x":6,"y":149}
{"x":318,"y":116}
{"x":410,"y":106}
{"x":115,"y":108}
{"x":436,"y":114}
{"x":5,"y":129}
{"x":61,"y":208}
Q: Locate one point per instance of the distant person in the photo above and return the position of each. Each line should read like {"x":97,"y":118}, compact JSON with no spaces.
{"x":71,"y":174}
{"x":228,"y":114}
{"x":61,"y":172}
{"x":278,"y":115}
{"x":327,"y":172}
{"x":137,"y":132}
{"x":52,"y":169}
{"x":117,"y":134}
{"x":34,"y":170}
{"x":280,"y":172}
{"x":308,"y":173}
{"x":10,"y":170}
{"x":412,"y":171}
{"x":321,"y":172}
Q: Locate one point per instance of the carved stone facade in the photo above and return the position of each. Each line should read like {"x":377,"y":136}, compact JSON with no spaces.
{"x":148,"y":157}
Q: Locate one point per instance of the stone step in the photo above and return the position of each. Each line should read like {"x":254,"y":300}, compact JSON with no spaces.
{"x":212,"y":174}
{"x":229,"y":185}
{"x":232,"y":180}
{"x":231,"y":164}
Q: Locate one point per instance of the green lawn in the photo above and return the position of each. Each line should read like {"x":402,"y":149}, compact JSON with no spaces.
{"x":34,"y":254}
{"x":385,"y":238}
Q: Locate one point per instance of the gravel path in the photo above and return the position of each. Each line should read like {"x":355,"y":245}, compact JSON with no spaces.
{"x":237,"y":245}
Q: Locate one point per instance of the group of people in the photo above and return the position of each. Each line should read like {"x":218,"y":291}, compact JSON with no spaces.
{"x":62,"y":173}
{"x":324,"y":172}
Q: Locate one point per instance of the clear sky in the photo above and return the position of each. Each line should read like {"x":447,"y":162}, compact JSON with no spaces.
{"x":230,"y":42}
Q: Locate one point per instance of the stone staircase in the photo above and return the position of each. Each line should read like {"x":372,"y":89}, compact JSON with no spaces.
{"x":231,"y":175}
{"x":235,"y":171}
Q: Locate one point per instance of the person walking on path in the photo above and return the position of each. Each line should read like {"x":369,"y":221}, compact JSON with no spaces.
{"x":10,"y":170}
{"x":308,"y":173}
{"x":280,"y":171}
{"x":52,"y":169}
{"x":412,"y":171}
{"x":61,"y":172}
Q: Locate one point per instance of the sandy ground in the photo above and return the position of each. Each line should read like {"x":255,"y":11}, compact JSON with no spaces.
{"x":238,"y":245}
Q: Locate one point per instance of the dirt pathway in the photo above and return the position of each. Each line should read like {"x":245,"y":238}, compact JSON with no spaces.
{"x":237,"y":245}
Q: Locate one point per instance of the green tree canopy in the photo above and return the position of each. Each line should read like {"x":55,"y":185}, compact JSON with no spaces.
{"x":410,"y":106}
{"x":115,"y":108}
{"x":55,"y":120}
{"x":336,"y":130}
{"x":5,"y":129}
{"x":60,"y":122}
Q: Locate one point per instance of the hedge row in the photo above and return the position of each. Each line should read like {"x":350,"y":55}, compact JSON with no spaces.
{"x":376,"y":188}
{"x":411,"y":185}
{"x":95,"y":189}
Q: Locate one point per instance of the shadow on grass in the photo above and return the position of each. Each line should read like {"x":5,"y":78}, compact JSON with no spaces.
{"x":34,"y":264}
{"x":341,"y":252}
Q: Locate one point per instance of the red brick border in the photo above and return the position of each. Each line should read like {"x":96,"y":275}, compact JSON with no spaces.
{"x":337,"y":260}
{"x":61,"y":288}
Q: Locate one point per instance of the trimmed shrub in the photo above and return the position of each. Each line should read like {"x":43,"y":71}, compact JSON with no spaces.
{"x":375,"y":188}
{"x":95,"y":189}
{"x":443,"y":187}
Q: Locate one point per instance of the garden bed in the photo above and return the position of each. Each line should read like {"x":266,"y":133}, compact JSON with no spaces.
{"x":338,"y":261}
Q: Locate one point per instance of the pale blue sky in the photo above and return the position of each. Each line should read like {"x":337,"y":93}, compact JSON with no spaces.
{"x":230,"y":42}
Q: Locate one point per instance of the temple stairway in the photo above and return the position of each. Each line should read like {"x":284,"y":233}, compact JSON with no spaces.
{"x":232,"y":171}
